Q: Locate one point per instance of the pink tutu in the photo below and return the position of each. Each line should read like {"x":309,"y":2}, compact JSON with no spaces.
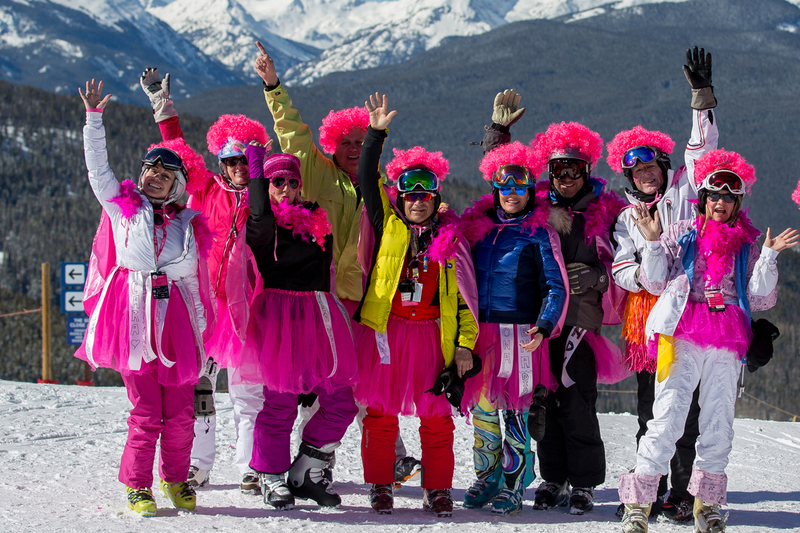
{"x":288,"y":349}
{"x":608,"y":358}
{"x":728,"y":329}
{"x":359,"y":329}
{"x":224,"y":344}
{"x":416,"y":359}
{"x":503,"y":393}
{"x":111,"y":338}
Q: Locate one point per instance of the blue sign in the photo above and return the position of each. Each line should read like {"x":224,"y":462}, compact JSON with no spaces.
{"x":73,"y":274}
{"x":76,"y":328}
{"x":72,"y":301}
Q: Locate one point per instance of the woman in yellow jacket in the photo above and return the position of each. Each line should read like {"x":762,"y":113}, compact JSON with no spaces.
{"x":421,"y":300}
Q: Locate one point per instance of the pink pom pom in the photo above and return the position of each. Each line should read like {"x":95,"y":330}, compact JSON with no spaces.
{"x":796,"y":195}
{"x":724,"y":160}
{"x":568,"y":135}
{"x":638,"y":136}
{"x":340,"y":123}
{"x":197,"y":174}
{"x":127,"y":200}
{"x":234,"y":127}
{"x":514,"y":153}
{"x":415,"y":158}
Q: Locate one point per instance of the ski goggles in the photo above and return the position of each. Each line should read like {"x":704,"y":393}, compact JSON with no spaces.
{"x":723,"y":179}
{"x":233,"y":161}
{"x":505,"y":191}
{"x":417,"y":196}
{"x":512,"y":176}
{"x":728,"y":198}
{"x":417,"y":179}
{"x":644,"y":154}
{"x":563,"y":169}
{"x":278,"y":182}
{"x":166,"y":157}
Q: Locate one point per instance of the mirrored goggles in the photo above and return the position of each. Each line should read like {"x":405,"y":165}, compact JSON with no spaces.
{"x":418,"y":196}
{"x":278,"y":182}
{"x":512,"y":175}
{"x":563,"y":169}
{"x":168,"y":159}
{"x":728,"y":198}
{"x":417,"y":179}
{"x":233,"y":161}
{"x":723,"y":179}
{"x":645,"y":154}
{"x":505,"y":191}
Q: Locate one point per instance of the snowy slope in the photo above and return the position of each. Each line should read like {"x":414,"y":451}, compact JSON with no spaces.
{"x":60,"y":449}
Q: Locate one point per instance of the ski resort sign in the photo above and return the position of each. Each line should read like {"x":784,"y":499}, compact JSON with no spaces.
{"x":73,"y":278}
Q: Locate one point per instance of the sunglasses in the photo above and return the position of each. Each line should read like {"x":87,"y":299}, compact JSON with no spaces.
{"x":168,"y":159}
{"x":278,"y":182}
{"x":645,"y":154}
{"x":505,"y":191}
{"x":233,"y":161}
{"x":512,"y":175}
{"x":417,"y":179}
{"x":571,"y":169}
{"x":723,"y":179}
{"x":418,"y":196}
{"x":728,"y":198}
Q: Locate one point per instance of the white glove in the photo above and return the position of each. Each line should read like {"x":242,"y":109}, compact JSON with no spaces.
{"x":506,"y":110}
{"x":158,"y":93}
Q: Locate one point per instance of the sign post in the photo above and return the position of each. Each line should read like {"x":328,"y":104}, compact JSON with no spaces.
{"x":73,"y":278}
{"x":47,"y":367}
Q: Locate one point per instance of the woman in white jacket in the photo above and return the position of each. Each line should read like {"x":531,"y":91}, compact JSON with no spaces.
{"x":149,"y":303}
{"x":709,"y":275}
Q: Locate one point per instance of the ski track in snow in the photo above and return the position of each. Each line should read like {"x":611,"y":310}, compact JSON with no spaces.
{"x":60,"y":448}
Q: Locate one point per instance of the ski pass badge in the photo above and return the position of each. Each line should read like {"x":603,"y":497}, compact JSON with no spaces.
{"x":715,"y":301}
{"x":160,"y":285}
{"x":410,"y":292}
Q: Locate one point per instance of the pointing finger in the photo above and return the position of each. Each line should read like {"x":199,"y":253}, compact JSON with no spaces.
{"x":261,"y":48}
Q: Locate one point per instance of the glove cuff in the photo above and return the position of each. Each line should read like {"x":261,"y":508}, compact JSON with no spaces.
{"x":163,"y":109}
{"x":500,"y":127}
{"x":704,"y":98}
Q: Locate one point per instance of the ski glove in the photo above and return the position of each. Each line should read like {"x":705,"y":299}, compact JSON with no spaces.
{"x":698,"y":73}
{"x":452,"y":386}
{"x":760,"y":351}
{"x":583,"y":277}
{"x":506,"y":111}
{"x":158,"y":93}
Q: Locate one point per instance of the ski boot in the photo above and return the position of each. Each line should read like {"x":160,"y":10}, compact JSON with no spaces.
{"x":250,"y":484}
{"x":707,"y":518}
{"x":581,"y":500}
{"x":197,"y":477}
{"x":438,"y":501}
{"x":404,"y":469}
{"x":482,"y":492}
{"x":634,"y":519}
{"x":677,"y":509}
{"x":549,"y":495}
{"x":141,"y":501}
{"x":180,"y":494}
{"x":381,"y":499}
{"x":307,"y":477}
{"x":276,"y":492}
{"x":507,"y":502}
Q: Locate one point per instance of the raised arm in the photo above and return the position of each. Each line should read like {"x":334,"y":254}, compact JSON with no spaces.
{"x":369,"y":176}
{"x":705,"y":134}
{"x":762,"y":271}
{"x":505,"y":113}
{"x":164,"y":112}
{"x":261,"y":223}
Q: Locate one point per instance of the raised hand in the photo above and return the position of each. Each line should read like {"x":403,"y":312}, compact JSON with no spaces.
{"x":698,"y":68}
{"x":379,"y":114}
{"x":506,"y":110}
{"x":152,"y":85}
{"x":650,"y":226}
{"x":94,"y":99}
{"x":788,"y":239}
{"x":265,"y":67}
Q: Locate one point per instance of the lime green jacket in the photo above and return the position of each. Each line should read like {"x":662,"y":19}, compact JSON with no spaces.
{"x":326,"y":184}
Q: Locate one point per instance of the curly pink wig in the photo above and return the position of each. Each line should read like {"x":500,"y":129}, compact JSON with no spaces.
{"x":568,"y":136}
{"x":415,"y":158}
{"x":796,"y":195}
{"x":724,"y":160}
{"x":196,"y":173}
{"x":340,"y":123}
{"x":638,"y":136}
{"x":514,"y":153}
{"x":237,"y":128}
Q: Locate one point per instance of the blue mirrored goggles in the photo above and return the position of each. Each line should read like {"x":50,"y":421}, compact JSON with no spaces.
{"x":505,"y":191}
{"x":512,"y":175}
{"x":418,"y":179}
{"x":168,"y":159}
{"x":645,"y":154}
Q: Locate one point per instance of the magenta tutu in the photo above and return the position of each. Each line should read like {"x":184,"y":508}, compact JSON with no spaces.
{"x":398,"y":388}
{"x":728,"y":329}
{"x":224,"y":345}
{"x":608,"y":358}
{"x":503,"y":392}
{"x":288,"y":348}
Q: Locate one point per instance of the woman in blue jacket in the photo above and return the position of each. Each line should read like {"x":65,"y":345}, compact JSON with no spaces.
{"x":521,"y":298}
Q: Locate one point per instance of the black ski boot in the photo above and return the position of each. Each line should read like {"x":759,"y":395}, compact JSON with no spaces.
{"x":307,"y":478}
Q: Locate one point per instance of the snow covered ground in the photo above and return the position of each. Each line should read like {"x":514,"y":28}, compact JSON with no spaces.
{"x":60,"y":448}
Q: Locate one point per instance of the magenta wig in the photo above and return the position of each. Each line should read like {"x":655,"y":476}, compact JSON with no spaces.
{"x":723,"y":160}
{"x":340,"y":123}
{"x":638,"y":136}
{"x":229,"y":129}
{"x":796,"y":195}
{"x":514,"y":153}
{"x":196,"y":173}
{"x":570,"y":139}
{"x":415,"y":158}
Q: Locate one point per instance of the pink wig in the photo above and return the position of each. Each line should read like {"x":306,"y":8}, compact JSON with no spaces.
{"x":415,"y":158}
{"x":340,"y":123}
{"x":638,"y":136}
{"x":196,"y":173}
{"x":234,"y":128}
{"x":723,"y":160}
{"x":568,"y":137}
{"x":515,"y":153}
{"x":796,"y":195}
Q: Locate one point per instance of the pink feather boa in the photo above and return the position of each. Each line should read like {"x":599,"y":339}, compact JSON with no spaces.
{"x":719,"y":243}
{"x":303,"y":222}
{"x":128,"y":200}
{"x":478,"y":224}
{"x":601,"y":213}
{"x":444,"y":243}
{"x":796,"y":195}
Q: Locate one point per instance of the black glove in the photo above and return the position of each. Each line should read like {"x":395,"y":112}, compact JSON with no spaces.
{"x":306,"y":400}
{"x":760,"y":351}
{"x":582,"y":277}
{"x":536,"y":415}
{"x":698,"y":68}
{"x":452,"y":386}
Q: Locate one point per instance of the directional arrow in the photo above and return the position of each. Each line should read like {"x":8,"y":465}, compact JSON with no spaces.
{"x":73,"y":274}
{"x":71,"y":301}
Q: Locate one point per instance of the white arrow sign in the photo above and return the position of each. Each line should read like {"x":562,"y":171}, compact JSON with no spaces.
{"x":73,"y":273}
{"x":71,"y":301}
